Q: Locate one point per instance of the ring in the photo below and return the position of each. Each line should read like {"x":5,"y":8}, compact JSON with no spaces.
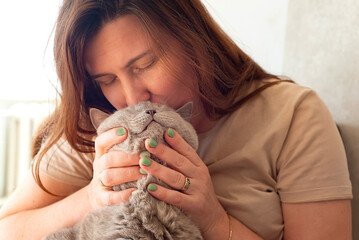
{"x":186,"y":184}
{"x":101,"y":183}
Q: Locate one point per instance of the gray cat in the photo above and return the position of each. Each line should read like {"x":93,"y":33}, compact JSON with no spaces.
{"x":143,"y":216}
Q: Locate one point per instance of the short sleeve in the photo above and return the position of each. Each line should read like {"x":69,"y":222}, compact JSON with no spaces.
{"x":66,"y":165}
{"x":312,"y":165}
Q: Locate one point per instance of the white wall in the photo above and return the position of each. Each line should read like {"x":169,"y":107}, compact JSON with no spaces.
{"x":257,"y":26}
{"x":25,"y":69}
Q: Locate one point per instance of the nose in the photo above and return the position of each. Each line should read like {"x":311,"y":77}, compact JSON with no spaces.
{"x":134,"y":92}
{"x":151,"y":112}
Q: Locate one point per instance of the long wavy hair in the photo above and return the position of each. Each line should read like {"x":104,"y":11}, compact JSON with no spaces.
{"x":222,"y":69}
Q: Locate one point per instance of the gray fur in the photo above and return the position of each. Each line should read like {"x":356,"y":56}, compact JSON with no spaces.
{"x":143,"y":216}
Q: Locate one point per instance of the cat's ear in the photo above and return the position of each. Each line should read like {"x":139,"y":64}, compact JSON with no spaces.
{"x":97,"y":116}
{"x":186,"y":111}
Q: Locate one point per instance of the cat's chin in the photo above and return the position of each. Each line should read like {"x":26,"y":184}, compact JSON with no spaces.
{"x":152,"y":128}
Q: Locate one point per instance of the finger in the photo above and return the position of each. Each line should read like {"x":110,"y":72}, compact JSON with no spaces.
{"x":110,"y":198}
{"x":171,"y":197}
{"x":173,"y":159}
{"x":169,"y":176}
{"x":182,"y":147}
{"x":109,"y":138}
{"x":114,"y":159}
{"x":116,"y":176}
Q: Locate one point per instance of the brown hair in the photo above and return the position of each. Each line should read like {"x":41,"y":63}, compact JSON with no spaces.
{"x":221,"y":67}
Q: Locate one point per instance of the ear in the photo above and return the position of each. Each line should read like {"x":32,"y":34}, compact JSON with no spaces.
{"x":186,"y":111}
{"x":97,"y":116}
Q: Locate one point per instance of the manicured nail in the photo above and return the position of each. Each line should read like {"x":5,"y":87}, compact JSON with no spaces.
{"x":152,"y":187}
{"x":146,"y":161}
{"x":152,"y":143}
{"x":170,"y":132}
{"x":145,"y":154}
{"x":143,"y":171}
{"x":121,"y":131}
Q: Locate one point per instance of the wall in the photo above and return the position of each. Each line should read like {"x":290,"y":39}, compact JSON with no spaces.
{"x":322,"y":51}
{"x":26,"y":60}
{"x":257,"y":26}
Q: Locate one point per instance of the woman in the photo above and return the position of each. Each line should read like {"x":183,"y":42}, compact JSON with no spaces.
{"x":270,"y":164}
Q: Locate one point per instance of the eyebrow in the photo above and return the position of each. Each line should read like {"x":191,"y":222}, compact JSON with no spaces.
{"x":128,"y":64}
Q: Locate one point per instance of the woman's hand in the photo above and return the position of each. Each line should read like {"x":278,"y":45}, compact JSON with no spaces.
{"x":110,"y":169}
{"x":199,"y":201}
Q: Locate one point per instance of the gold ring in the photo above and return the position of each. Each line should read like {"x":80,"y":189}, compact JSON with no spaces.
{"x":186,"y":184}
{"x":101,"y":183}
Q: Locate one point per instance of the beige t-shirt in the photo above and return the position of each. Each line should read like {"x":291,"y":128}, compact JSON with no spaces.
{"x":280,"y":146}
{"x":68,"y":166}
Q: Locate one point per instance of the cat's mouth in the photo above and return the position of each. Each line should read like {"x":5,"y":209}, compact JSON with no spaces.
{"x":150,"y":125}
{"x":146,"y":122}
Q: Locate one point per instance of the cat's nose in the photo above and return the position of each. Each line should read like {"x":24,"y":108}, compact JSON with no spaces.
{"x":151,"y":112}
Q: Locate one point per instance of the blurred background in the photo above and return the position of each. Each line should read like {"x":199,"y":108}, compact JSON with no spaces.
{"x":27,"y":80}
{"x":315,"y":42}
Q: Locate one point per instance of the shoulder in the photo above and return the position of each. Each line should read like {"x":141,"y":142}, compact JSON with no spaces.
{"x":67,"y":165}
{"x":63,"y":149}
{"x":276,"y":105}
{"x":280,"y":95}
{"x":263,"y":123}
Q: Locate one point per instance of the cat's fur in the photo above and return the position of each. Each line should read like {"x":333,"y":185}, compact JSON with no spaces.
{"x":143,"y":216}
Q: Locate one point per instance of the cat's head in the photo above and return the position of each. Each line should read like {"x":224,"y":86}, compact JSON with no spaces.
{"x":147,"y":119}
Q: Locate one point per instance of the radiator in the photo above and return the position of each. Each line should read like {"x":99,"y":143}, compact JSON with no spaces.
{"x":17,"y":126}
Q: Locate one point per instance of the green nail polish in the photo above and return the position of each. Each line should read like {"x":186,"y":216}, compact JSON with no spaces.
{"x":152,"y":143}
{"x":143,"y":171}
{"x":170,"y":132}
{"x":152,"y":187}
{"x":121,"y":132}
{"x":146,"y":161}
{"x":145,"y":154}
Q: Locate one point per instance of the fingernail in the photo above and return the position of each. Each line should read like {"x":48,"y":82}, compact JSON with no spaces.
{"x":170,"y":132}
{"x":143,"y":171}
{"x":145,"y":154}
{"x":152,"y":142}
{"x":121,"y":131}
{"x":146,"y":161}
{"x":152,"y":187}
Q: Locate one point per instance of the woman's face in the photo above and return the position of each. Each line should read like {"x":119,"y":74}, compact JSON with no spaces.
{"x":122,"y":62}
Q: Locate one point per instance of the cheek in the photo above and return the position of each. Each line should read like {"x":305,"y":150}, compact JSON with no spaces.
{"x":174,"y":93}
{"x":114,"y":96}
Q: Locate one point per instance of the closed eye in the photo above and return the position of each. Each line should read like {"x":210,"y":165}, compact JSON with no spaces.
{"x":106,"y":80}
{"x":145,"y":67}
